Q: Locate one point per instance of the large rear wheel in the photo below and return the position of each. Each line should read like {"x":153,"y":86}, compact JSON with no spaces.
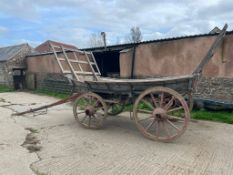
{"x":161,"y":114}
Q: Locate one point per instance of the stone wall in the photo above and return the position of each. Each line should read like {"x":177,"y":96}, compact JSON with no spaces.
{"x":3,"y":73}
{"x":17,"y":61}
{"x":50,"y":82}
{"x":220,"y":89}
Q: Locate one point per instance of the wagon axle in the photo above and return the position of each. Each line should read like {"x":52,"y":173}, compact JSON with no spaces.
{"x":159,"y":113}
{"x":90,"y":110}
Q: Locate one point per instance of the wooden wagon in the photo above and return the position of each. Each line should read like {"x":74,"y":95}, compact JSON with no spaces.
{"x":160,"y":106}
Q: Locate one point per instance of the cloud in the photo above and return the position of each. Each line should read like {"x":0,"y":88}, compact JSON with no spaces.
{"x":73,"y":21}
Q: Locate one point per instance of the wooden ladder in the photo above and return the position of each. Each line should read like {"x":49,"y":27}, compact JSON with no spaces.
{"x":80,"y":74}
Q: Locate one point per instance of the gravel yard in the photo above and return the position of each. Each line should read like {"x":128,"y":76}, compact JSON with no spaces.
{"x":52,"y":142}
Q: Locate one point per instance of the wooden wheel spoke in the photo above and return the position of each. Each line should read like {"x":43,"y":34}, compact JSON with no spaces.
{"x":169,"y":104}
{"x":150,"y":125}
{"x":91,"y":98}
{"x":144,"y":111}
{"x":95,"y":104}
{"x":162,"y":99}
{"x":171,"y":117}
{"x":173,"y":125}
{"x":83,"y":119}
{"x":99,"y":114}
{"x":175,"y":109}
{"x":89,"y":121}
{"x":80,"y":112}
{"x":166,"y":130}
{"x":145,"y":119}
{"x":154,"y":101}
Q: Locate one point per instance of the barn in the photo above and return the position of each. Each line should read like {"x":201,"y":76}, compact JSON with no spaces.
{"x":13,"y":65}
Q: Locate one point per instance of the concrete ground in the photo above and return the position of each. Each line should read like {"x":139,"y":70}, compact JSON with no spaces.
{"x":119,"y":148}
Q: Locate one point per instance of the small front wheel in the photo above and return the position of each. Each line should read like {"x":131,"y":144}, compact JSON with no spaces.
{"x":115,"y":108}
{"x":161,"y":114}
{"x":90,"y":110}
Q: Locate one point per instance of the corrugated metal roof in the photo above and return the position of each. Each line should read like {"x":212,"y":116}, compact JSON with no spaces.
{"x":129,"y":45}
{"x":113,"y":47}
{"x":7,"y":53}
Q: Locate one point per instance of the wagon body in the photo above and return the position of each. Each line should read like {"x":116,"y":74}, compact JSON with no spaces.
{"x":181,"y":84}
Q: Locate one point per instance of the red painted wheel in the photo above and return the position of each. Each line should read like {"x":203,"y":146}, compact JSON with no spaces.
{"x":161,"y":114}
{"x":90,"y":110}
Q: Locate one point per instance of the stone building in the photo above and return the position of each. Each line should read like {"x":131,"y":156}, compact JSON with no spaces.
{"x":13,"y":65}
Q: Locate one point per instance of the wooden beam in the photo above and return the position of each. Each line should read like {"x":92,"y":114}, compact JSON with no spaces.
{"x":69,"y":64}
{"x":211,"y":51}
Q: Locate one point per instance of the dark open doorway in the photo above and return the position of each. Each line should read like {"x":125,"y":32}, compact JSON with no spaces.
{"x":19,"y":78}
{"x":108,"y":62}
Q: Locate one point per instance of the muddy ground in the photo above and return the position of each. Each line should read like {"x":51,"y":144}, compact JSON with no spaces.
{"x":51,"y":142}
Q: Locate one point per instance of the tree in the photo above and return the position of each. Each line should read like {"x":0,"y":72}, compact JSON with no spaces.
{"x":135,"y":35}
{"x":96,"y":40}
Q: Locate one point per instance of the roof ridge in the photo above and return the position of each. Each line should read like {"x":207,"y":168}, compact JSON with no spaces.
{"x":23,"y":44}
{"x":57,"y":42}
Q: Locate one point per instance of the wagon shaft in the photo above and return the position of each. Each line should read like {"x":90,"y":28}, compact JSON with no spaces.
{"x":68,"y":99}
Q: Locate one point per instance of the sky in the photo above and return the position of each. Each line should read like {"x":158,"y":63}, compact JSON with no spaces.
{"x":75,"y":21}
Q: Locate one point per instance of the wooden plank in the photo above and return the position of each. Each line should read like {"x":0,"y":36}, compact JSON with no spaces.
{"x":58,"y":61}
{"x":95,"y":63}
{"x":93,"y":71}
{"x":211,"y":51}
{"x":74,"y":50}
{"x":76,"y":61}
{"x":76,"y":57}
{"x":85,"y":73}
{"x":79,"y":61}
{"x":69,"y":64}
{"x":67,"y":72}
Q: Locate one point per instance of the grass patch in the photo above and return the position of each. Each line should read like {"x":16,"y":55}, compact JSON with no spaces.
{"x":5,"y":88}
{"x":219,"y":116}
{"x":51,"y":94}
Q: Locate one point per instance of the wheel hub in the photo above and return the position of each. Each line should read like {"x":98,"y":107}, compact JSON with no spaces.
{"x":90,"y":110}
{"x":159,"y":113}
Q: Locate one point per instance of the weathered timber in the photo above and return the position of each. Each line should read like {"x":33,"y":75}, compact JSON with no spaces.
{"x":211,"y":51}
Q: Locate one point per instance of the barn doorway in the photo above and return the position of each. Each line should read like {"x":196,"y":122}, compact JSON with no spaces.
{"x":19,"y":78}
{"x":109,"y":63}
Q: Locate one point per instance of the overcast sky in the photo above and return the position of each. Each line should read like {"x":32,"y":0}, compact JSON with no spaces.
{"x":74,"y":21}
